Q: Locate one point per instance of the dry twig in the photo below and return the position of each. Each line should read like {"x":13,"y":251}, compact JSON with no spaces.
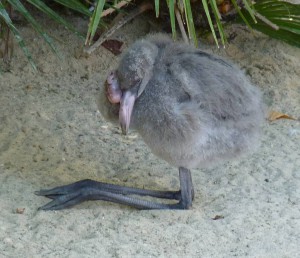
{"x":181,"y":26}
{"x":144,"y":7}
{"x":112,"y":9}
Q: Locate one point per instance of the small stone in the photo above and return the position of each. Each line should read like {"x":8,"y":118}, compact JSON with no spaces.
{"x":20,"y":210}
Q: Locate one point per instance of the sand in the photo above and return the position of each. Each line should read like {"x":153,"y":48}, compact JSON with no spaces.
{"x":51,"y":133}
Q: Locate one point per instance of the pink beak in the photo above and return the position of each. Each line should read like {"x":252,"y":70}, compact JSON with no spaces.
{"x":126,"y":107}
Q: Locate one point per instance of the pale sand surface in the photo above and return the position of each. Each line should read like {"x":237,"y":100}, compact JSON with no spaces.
{"x":52,"y":134}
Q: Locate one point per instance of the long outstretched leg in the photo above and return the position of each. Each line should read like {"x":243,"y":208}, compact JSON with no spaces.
{"x":69,"y":195}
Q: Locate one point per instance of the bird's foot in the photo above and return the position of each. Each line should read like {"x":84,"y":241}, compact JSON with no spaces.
{"x":72,"y":194}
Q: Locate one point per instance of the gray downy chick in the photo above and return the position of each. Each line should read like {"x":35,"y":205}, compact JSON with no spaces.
{"x":193,"y":109}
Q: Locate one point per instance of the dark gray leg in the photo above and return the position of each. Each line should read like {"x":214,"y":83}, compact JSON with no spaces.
{"x":69,"y":195}
{"x":186,"y":187}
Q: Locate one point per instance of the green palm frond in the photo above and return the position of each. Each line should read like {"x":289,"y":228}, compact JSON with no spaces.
{"x":190,"y":20}
{"x":237,"y":8}
{"x":95,"y":19}
{"x":156,"y":3}
{"x":75,"y":5}
{"x":171,"y":6}
{"x":5,"y":17}
{"x":19,"y":6}
{"x":249,"y":7}
{"x":218,"y":21}
{"x":52,"y":14}
{"x":278,"y":19}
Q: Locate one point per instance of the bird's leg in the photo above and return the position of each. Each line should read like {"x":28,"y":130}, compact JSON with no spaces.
{"x":69,"y":195}
{"x":186,"y":187}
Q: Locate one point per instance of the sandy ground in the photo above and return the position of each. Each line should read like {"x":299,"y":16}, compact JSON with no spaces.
{"x":52,"y":134}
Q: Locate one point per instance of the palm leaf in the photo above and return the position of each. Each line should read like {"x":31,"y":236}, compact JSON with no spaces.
{"x":156,"y":8}
{"x":17,"y":5}
{"x":50,"y":13}
{"x":249,"y":8}
{"x":4,"y":15}
{"x":171,"y":5}
{"x":237,"y":8}
{"x":75,"y":5}
{"x":210,"y":22}
{"x":218,"y":20}
{"x":278,"y":19}
{"x":250,"y":14}
{"x":95,"y":19}
{"x":190,"y":21}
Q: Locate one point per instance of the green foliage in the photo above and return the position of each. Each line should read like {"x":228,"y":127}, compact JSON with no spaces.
{"x":190,"y":20}
{"x":18,"y":5}
{"x":276,"y":18}
{"x":263,"y":15}
{"x":15,"y":31}
{"x":171,"y":6}
{"x":94,"y":23}
{"x":217,"y":15}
